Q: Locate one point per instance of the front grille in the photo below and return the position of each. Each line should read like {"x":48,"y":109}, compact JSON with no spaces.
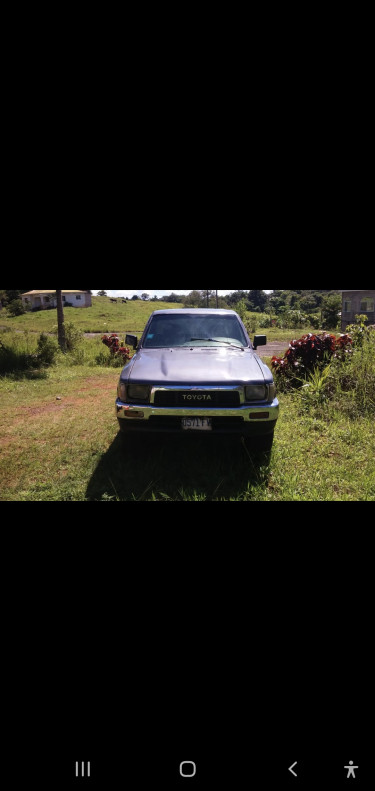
{"x":197,"y":398}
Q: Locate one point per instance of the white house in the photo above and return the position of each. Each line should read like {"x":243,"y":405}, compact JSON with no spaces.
{"x":47,"y":299}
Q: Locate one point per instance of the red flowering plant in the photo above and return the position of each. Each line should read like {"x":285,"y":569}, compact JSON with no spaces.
{"x":124,"y":352}
{"x":113,"y":343}
{"x":308,"y":353}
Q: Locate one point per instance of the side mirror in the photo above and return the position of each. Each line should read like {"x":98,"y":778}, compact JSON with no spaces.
{"x":131,"y":340}
{"x":260,"y":340}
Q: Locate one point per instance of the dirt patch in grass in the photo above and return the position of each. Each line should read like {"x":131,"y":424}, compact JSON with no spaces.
{"x":89,"y":393}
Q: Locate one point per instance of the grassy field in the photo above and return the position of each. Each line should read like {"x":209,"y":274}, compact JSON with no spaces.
{"x":59,"y":436}
{"x":103,"y":316}
{"x":59,"y":441}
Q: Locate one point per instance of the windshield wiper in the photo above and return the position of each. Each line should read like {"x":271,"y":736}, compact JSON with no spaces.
{"x":217,"y":340}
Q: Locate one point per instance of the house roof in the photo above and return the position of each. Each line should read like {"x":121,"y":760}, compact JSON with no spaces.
{"x":35,"y":293}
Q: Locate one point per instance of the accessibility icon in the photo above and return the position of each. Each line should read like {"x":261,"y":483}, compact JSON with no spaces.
{"x":351,"y":770}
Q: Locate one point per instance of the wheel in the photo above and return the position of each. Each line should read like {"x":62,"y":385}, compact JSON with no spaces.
{"x":261,"y":444}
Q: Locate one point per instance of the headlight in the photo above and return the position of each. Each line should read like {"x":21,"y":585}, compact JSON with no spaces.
{"x":138,"y":393}
{"x":121,"y":391}
{"x":256,"y":393}
{"x":272,"y":392}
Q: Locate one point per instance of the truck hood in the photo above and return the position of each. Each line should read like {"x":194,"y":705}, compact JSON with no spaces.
{"x":217,"y":366}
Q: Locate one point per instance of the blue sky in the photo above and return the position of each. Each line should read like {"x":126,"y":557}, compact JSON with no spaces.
{"x":153,"y":292}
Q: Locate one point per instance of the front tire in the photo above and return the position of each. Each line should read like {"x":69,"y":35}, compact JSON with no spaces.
{"x":261,"y":444}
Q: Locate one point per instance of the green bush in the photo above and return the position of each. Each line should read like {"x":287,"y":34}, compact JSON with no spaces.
{"x":13,"y":358}
{"x":47,"y":350}
{"x":292,"y":320}
{"x":315,"y":390}
{"x":16,"y":308}
{"x":241,"y":309}
{"x":266,"y":321}
{"x":109,"y":360}
{"x":354,"y":380}
{"x":73,"y":336}
{"x":20,"y":353}
{"x":332,"y":375}
{"x":331,"y":306}
{"x":76,"y":357}
{"x":251,"y":325}
{"x":103,"y":358}
{"x":359,"y":331}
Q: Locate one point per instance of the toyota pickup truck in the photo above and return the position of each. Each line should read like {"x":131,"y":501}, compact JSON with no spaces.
{"x":198,"y":371}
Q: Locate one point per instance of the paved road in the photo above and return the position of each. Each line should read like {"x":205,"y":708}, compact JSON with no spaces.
{"x":275,"y":348}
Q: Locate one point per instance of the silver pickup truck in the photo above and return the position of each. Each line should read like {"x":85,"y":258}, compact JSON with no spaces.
{"x":198,"y":371}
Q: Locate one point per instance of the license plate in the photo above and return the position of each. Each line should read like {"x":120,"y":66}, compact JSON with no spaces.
{"x":197,"y":424}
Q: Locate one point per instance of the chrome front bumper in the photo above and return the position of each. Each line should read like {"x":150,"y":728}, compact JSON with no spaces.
{"x":250,"y":414}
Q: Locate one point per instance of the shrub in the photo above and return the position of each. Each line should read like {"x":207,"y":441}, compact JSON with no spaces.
{"x":359,"y":331}
{"x":331,"y":307}
{"x":47,"y":350}
{"x":267,"y":321}
{"x":354,"y":383}
{"x":241,"y":309}
{"x":122,"y":353}
{"x":314,"y":319}
{"x":309,"y":352}
{"x":16,"y":308}
{"x":15,"y":355}
{"x":330,"y":372}
{"x":292,"y":320}
{"x":315,"y":390}
{"x":103,"y":359}
{"x":12,"y":358}
{"x":251,"y":324}
{"x":76,"y":357}
{"x":73,"y":336}
{"x":109,"y":360}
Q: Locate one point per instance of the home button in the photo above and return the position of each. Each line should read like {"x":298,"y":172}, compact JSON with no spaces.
{"x":188,"y":769}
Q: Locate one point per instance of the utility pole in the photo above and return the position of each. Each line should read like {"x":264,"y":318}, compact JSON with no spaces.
{"x":217,"y":300}
{"x":60,"y":322}
{"x":208,"y":298}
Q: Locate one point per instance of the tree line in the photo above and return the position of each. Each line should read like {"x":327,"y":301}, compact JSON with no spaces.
{"x":258,"y":301}
{"x":288,"y":307}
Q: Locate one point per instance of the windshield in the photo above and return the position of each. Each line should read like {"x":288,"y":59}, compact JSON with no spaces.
{"x":194,"y":330}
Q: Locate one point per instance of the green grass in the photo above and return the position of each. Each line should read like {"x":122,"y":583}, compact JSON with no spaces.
{"x":59,"y":441}
{"x":277,"y":334}
{"x":103,"y":316}
{"x":59,"y":435}
{"x":17,"y":348}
